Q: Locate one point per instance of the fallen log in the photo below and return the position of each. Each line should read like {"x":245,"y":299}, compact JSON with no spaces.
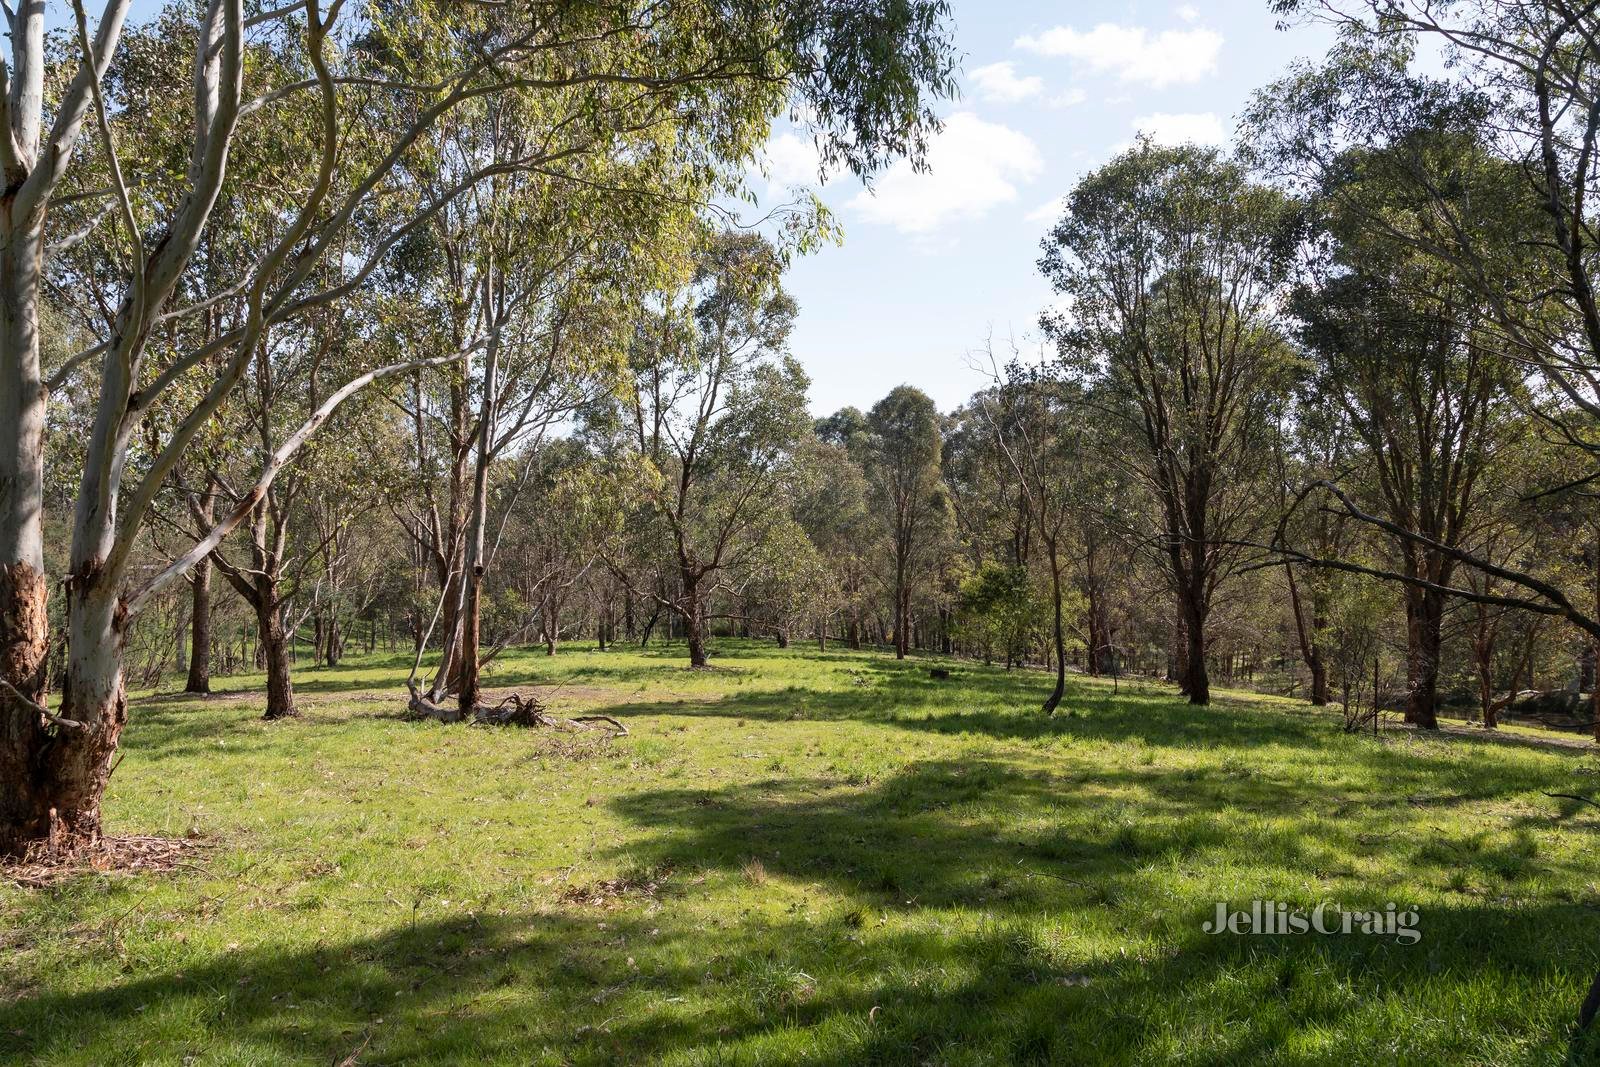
{"x":514,"y":710}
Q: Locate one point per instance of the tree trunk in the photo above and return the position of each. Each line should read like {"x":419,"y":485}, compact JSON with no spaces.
{"x":1196,"y":682}
{"x":693,"y":625}
{"x":200,"y":629}
{"x":52,"y":777}
{"x":27,"y":746}
{"x":275,"y":651}
{"x":26,"y":795}
{"x":1059,"y":634}
{"x":902,"y":622}
{"x":1310,"y":646}
{"x":471,"y":638}
{"x":1424,"y":622}
{"x":1594,"y":700}
{"x":1319,"y":679}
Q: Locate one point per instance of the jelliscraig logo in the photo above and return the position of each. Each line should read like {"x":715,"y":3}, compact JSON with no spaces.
{"x":1272,"y":917}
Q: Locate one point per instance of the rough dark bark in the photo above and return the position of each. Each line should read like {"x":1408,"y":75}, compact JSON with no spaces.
{"x":902,"y":619}
{"x":1319,"y":680}
{"x":275,"y":656}
{"x":1196,"y":679}
{"x":24,"y":652}
{"x":333,"y":641}
{"x":1310,"y":646}
{"x":471,"y":639}
{"x":199,"y":680}
{"x":689,"y":610}
{"x":53,"y":774}
{"x":1059,"y":633}
{"x":1424,"y":638}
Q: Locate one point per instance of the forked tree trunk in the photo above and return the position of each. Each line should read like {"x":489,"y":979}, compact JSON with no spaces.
{"x":26,"y":744}
{"x":1310,"y":645}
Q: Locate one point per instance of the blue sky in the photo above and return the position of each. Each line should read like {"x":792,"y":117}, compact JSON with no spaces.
{"x":932,"y":264}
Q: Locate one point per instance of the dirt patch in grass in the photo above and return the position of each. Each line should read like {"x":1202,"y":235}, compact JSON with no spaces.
{"x":646,"y":883}
{"x":573,"y":747}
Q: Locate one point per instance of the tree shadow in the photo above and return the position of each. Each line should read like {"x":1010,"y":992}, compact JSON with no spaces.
{"x":987,"y":908}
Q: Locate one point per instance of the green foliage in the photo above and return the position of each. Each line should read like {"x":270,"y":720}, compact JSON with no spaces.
{"x":999,"y":611}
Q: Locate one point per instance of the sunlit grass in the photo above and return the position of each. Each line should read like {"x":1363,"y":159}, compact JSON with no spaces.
{"x":830,"y":858}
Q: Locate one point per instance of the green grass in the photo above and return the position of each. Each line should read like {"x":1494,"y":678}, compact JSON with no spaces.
{"x":808,"y":858}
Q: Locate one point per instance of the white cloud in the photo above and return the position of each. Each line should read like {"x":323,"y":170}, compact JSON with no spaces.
{"x":1164,"y":128}
{"x":1049,"y":211}
{"x":973,"y":166}
{"x":1188,"y":13}
{"x":1133,"y":53}
{"x":791,"y":160}
{"x":998,"y":83}
{"x":1069,"y":98}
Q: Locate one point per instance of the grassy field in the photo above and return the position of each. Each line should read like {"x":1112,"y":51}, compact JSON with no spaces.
{"x":801,"y":857}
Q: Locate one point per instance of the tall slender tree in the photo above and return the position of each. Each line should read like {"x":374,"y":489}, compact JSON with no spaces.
{"x":900,"y":450}
{"x":1172,"y":262}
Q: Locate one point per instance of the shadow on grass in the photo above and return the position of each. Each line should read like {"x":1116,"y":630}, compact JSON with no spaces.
{"x":588,"y":987}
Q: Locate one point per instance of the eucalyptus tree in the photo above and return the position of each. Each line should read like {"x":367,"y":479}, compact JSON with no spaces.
{"x":991,"y":508}
{"x":1524,"y":76}
{"x":1457,"y":173}
{"x":786,"y":583}
{"x":832,"y":508}
{"x":1171,"y":263}
{"x":714,"y":415}
{"x":997,"y":607}
{"x":1042,"y":427}
{"x":283,"y":548}
{"x":1312,"y":444}
{"x":546,"y":540}
{"x":550,"y":313}
{"x":900,"y":449}
{"x":1426,"y":384}
{"x":377,"y":81}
